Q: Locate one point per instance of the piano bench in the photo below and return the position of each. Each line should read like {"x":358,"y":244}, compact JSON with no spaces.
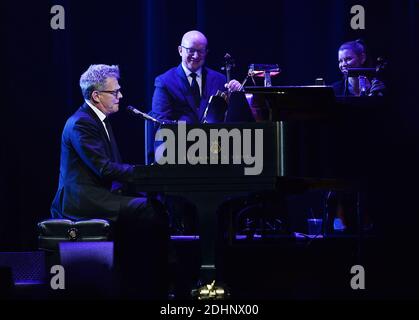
{"x":53,"y":231}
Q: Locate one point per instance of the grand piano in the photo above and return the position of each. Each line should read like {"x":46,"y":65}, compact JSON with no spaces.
{"x":311,"y":140}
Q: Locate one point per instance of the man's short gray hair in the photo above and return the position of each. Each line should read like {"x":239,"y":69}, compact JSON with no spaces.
{"x":95,"y":77}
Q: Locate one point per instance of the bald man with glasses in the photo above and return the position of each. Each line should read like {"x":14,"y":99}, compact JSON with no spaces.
{"x":182,"y":93}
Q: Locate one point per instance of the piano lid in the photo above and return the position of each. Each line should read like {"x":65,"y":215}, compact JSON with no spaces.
{"x":296,"y":92}
{"x":285,"y":101}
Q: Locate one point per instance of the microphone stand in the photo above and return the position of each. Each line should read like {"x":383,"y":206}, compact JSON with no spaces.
{"x":149,"y":132}
{"x":146,"y":116}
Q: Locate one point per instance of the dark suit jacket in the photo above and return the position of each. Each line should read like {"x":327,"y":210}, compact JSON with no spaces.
{"x":173,"y":100}
{"x":89,"y":170}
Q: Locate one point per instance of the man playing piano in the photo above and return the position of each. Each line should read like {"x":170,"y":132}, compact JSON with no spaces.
{"x":91,"y":186}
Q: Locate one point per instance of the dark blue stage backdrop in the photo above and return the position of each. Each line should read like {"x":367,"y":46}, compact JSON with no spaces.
{"x":41,"y":69}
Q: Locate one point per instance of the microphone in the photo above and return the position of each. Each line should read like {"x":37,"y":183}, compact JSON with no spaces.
{"x":145,"y":116}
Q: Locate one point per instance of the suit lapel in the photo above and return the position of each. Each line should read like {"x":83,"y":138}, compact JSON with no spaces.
{"x":85,"y":107}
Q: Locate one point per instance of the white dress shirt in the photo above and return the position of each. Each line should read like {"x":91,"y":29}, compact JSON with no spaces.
{"x":100,"y":114}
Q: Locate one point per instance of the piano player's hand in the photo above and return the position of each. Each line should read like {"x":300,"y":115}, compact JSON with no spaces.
{"x":233,"y":85}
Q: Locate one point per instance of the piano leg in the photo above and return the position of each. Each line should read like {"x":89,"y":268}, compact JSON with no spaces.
{"x":207,"y":204}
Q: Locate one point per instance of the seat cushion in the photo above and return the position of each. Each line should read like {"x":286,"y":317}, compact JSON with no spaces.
{"x":53,"y":231}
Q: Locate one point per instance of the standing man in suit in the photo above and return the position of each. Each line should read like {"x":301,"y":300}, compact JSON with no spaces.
{"x":91,"y":185}
{"x":182,"y":93}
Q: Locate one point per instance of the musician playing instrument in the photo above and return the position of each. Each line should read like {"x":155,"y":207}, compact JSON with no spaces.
{"x":353,"y":54}
{"x":183,"y":92}
{"x":91,"y":180}
{"x":342,"y":206}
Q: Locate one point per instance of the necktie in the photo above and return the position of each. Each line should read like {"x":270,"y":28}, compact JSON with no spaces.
{"x":114,"y":147}
{"x":195,"y":90}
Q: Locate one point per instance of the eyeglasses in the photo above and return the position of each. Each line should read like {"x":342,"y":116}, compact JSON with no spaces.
{"x":115,"y":93}
{"x":191,"y":51}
